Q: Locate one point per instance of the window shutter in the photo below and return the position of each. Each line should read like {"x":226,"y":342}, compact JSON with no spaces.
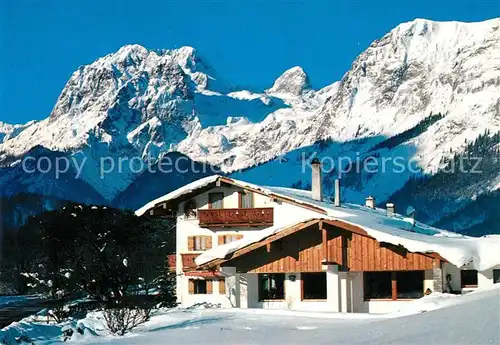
{"x":209,"y":287}
{"x":208,"y":242}
{"x":222,"y":287}
{"x":220,"y":239}
{"x":191,"y":243}
{"x":239,"y":237}
{"x":191,"y":286}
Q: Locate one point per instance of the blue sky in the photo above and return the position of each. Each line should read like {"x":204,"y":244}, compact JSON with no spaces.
{"x":248,"y":43}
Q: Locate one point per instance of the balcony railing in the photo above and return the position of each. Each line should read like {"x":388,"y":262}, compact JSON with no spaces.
{"x":236,"y":217}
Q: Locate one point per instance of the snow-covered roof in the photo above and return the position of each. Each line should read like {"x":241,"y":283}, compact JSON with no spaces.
{"x":190,"y":187}
{"x":480,"y":253}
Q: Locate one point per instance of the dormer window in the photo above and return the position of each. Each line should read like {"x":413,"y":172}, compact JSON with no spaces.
{"x":246,"y":199}
{"x":190,"y":209}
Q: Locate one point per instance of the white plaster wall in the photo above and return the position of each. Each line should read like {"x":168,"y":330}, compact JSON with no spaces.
{"x":455,"y":276}
{"x":357,"y":297}
{"x":485,"y":278}
{"x":292,"y":299}
{"x":351,"y":292}
{"x":284,"y":213}
{"x":186,"y":299}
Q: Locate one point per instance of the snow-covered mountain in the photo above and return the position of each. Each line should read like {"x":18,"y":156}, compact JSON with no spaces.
{"x":145,"y":103}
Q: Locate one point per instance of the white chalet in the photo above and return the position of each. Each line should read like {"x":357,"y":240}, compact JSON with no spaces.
{"x":248,"y":246}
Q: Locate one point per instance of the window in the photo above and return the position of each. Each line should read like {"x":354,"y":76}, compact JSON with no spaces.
{"x":410,"y":284}
{"x":190,"y":209}
{"x":378,"y":285}
{"x":271,"y":286}
{"x":496,"y":276}
{"x":199,"y":243}
{"x":313,"y":285}
{"x":469,"y":278}
{"x":223,"y":239}
{"x":394,"y":285}
{"x":215,"y":200}
{"x":246,"y":200}
{"x":200,"y":286}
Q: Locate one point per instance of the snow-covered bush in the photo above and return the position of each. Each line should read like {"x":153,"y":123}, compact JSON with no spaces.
{"x":123,"y":320}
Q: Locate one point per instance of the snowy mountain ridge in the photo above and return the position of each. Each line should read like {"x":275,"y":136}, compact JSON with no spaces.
{"x":140,"y":102}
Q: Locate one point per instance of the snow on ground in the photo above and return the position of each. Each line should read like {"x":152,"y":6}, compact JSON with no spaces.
{"x":436,"y":319}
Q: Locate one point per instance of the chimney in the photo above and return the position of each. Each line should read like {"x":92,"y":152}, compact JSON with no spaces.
{"x":410,"y":212}
{"x":337,"y":192}
{"x":391,"y":209}
{"x":370,"y":202}
{"x":317,"y":192}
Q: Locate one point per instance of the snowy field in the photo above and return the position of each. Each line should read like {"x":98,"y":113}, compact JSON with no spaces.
{"x":436,"y":319}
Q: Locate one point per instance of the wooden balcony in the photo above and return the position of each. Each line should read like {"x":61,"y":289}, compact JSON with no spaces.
{"x":236,"y":217}
{"x":188,"y":261}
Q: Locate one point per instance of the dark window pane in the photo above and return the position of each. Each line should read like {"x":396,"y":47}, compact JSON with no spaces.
{"x":314,"y":285}
{"x":215,"y":200}
{"x":496,"y":276}
{"x":410,"y":284}
{"x":271,"y":286}
{"x":200,"y":287}
{"x":469,"y":278}
{"x":378,"y":285}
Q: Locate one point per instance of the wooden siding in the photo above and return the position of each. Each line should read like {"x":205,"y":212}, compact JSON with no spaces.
{"x":305,"y":251}
{"x":188,"y":262}
{"x":298,"y":252}
{"x":171,"y":261}
{"x":378,"y":256}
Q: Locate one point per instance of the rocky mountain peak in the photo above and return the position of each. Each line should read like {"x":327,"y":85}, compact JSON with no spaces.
{"x":140,"y":102}
{"x":293,"y":81}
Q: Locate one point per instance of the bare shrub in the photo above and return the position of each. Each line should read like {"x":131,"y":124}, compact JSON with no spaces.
{"x":123,"y":320}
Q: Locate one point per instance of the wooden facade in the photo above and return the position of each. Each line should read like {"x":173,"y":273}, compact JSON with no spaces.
{"x":309,"y":248}
{"x":188,"y":262}
{"x":236,"y":217}
{"x":171,"y":262}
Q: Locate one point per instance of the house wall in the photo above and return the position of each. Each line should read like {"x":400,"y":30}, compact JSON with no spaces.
{"x":454,"y":272}
{"x":293,"y":295}
{"x":344,"y":294}
{"x":284,"y":213}
{"x":367,"y":254}
{"x":345,"y":289}
{"x":186,"y":299}
{"x":485,"y":278}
